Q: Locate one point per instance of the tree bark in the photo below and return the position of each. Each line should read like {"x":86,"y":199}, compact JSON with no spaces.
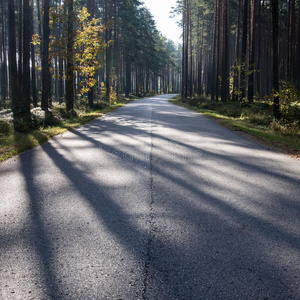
{"x":25,"y":107}
{"x":13,"y":73}
{"x":244,"y":53}
{"x":225,"y":53}
{"x":252,"y":53}
{"x":218,"y":48}
{"x":70,"y":63}
{"x":4,"y":81}
{"x":235,"y":92}
{"x":20,"y":61}
{"x":214,"y":67}
{"x":91,"y":10}
{"x":275,"y":37}
{"x":33,"y":70}
{"x":46,"y":79}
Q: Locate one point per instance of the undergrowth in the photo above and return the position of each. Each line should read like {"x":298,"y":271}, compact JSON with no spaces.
{"x":19,"y":132}
{"x":255,"y":119}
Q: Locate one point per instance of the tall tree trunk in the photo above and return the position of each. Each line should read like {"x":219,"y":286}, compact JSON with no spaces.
{"x":252,"y":53}
{"x":275,"y":38}
{"x":214,"y":67}
{"x":183,"y":77}
{"x":186,"y":51}
{"x":218,"y":48}
{"x":33,"y":71}
{"x":200,"y":65}
{"x":235,"y":92}
{"x":127,"y":75}
{"x":4,"y":81}
{"x":225,"y":53}
{"x":40,"y":34}
{"x":260,"y":31}
{"x":20,"y":61}
{"x":25,"y":108}
{"x":106,"y":9}
{"x":70,"y":63}
{"x":244,"y":52}
{"x":60,"y":82}
{"x":297,"y":63}
{"x":13,"y":73}
{"x":46,"y":79}
{"x":116,"y":56}
{"x":292,"y":34}
{"x":190,"y":51}
{"x":91,"y":10}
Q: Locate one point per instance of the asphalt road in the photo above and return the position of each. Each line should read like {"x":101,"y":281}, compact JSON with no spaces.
{"x":151,"y":201}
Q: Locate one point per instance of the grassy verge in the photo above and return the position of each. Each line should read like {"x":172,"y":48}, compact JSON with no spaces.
{"x":13,"y":142}
{"x":256,"y":124}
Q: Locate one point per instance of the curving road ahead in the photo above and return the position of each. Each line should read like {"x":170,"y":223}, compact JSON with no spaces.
{"x":151,"y":201}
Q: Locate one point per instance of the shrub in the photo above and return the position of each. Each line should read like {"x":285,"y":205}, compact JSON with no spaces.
{"x":234,"y":110}
{"x":67,"y":114}
{"x":260,"y":119}
{"x":260,"y":107}
{"x":286,"y":129}
{"x":5,"y":127}
{"x":100,"y":105}
{"x":23,"y":123}
{"x":151,"y":93}
{"x":193,"y":101}
{"x":287,"y":95}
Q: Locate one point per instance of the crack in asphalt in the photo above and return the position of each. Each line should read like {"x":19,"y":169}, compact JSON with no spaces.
{"x":148,"y":257}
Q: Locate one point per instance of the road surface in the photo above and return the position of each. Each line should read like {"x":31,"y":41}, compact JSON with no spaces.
{"x":151,"y":201}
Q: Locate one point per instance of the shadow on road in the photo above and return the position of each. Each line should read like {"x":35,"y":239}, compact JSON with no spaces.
{"x":219,"y":225}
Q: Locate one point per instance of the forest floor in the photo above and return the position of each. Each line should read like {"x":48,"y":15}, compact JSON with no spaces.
{"x":254,"y":122}
{"x":13,"y":141}
{"x":256,"y":125}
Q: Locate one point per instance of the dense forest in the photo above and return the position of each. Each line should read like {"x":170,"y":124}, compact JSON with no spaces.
{"x":241,"y":50}
{"x":86,"y":51}
{"x":81,"y":51}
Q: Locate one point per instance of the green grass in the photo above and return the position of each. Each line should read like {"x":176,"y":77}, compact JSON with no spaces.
{"x":14,"y":142}
{"x":255,"y":121}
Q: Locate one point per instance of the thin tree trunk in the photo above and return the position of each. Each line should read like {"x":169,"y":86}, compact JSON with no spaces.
{"x":91,"y":10}
{"x":70,"y":63}
{"x":127,"y":75}
{"x":225,"y":53}
{"x":186,"y":63}
{"x":46,"y":79}
{"x":260,"y":30}
{"x":183,"y":82}
{"x":40,"y":34}
{"x":275,"y":16}
{"x":107,"y":51}
{"x":218,"y":49}
{"x":252,"y":54}
{"x":200,"y":90}
{"x":214,"y":67}
{"x":190,"y":51}
{"x":244,"y":52}
{"x":33,"y":71}
{"x":25,"y":108}
{"x":20,"y":61}
{"x":297,"y":64}
{"x":4,"y":81}
{"x":13,"y":73}
{"x":235,"y":92}
{"x":292,"y":35}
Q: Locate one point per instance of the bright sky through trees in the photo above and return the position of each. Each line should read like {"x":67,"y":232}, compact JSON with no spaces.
{"x":161,"y":9}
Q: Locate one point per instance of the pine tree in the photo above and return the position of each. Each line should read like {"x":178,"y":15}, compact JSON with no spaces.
{"x":13,"y":73}
{"x":46,"y":77}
